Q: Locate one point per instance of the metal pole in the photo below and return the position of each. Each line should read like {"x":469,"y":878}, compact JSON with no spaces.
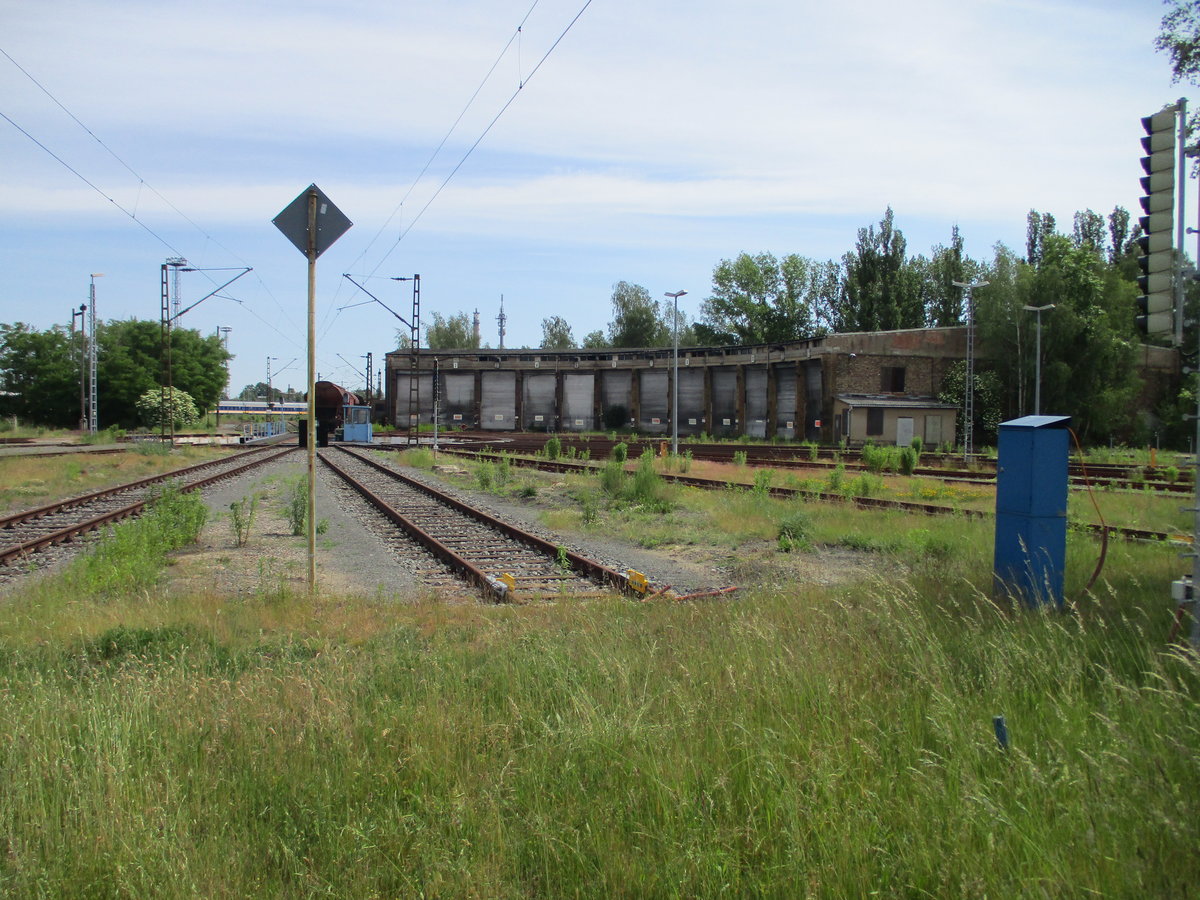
{"x":312,"y":385}
{"x":1180,"y":229}
{"x":675,"y":295}
{"x":92,"y":354}
{"x":81,"y":313}
{"x":1037,"y":384}
{"x":969,"y":400}
{"x":1037,"y":388}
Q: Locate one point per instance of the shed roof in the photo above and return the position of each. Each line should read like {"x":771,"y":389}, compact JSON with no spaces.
{"x":893,"y":401}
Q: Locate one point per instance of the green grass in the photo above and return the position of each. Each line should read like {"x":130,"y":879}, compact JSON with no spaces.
{"x":798,"y":741}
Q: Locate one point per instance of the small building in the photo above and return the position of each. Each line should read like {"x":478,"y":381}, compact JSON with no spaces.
{"x":891,"y":419}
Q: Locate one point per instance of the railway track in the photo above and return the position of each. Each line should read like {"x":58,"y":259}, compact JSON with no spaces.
{"x":502,"y":561}
{"x":28,"y":537}
{"x":1167,"y":479}
{"x":931,"y":509}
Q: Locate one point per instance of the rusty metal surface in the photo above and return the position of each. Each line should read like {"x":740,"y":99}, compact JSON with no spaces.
{"x":72,"y":518}
{"x":481,"y":558}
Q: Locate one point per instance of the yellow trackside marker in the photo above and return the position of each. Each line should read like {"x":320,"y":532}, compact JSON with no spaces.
{"x":509,"y":581}
{"x":637,"y":581}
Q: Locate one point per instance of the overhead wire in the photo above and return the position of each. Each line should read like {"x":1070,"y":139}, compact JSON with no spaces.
{"x":453,"y":127}
{"x":521,"y":86}
{"x":142,"y":183}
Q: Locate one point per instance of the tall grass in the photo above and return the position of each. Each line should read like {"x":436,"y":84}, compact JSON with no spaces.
{"x":834,"y":747}
{"x":800,"y":741}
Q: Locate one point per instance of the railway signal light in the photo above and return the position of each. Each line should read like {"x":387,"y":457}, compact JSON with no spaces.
{"x":1156,"y":254}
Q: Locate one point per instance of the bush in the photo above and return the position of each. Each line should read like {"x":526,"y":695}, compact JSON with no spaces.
{"x":612,"y":478}
{"x":908,"y":460}
{"x":620,"y":452}
{"x":553,"y":448}
{"x":795,"y":531}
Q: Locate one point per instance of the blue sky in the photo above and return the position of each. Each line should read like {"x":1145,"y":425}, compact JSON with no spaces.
{"x":652,"y":142}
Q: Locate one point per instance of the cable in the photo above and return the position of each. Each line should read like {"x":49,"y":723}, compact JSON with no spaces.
{"x":142,"y":183}
{"x":158,"y":237}
{"x":438,"y":149}
{"x":484,"y":134}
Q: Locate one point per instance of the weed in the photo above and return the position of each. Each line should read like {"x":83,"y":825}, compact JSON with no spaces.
{"x":589,"y":509}
{"x":553,"y":448}
{"x":297,"y":504}
{"x":795,"y":531}
{"x":836,"y":479}
{"x":762,"y":482}
{"x":620,"y":452}
{"x":613,"y":478}
{"x":242,"y":518}
{"x":739,"y":458}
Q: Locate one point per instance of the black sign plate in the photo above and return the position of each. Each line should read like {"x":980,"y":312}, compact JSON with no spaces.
{"x":293,"y":222}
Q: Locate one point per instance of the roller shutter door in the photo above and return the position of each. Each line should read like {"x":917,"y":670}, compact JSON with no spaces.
{"x":786,"y":425}
{"x":724,"y":390}
{"x":458,"y":400}
{"x":691,"y":401}
{"x":538,"y":412}
{"x":578,"y":394}
{"x":654,"y":402}
{"x":499,"y":407}
{"x":614,"y":393}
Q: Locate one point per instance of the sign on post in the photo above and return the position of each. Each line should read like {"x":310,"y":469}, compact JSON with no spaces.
{"x":312,"y":223}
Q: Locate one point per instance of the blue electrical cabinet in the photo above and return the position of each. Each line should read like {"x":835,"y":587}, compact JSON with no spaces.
{"x":356,"y":424}
{"x":1031,"y":508}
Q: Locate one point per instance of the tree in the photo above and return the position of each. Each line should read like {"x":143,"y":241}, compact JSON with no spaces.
{"x":39,"y":375}
{"x":1179,"y":38}
{"x":1038,"y":227}
{"x":637,"y":319}
{"x":556,"y":334}
{"x":1089,"y":231}
{"x":130,"y":363}
{"x":760,"y":299}
{"x":1118,"y":231}
{"x":453,"y":333}
{"x":880,"y":292}
{"x":156,"y":405}
{"x":1088,"y":345}
{"x":595,"y":340}
{"x":941,"y":297}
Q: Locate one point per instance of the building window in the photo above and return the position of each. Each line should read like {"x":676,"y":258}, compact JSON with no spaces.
{"x":874,"y":423}
{"x":892,"y":379}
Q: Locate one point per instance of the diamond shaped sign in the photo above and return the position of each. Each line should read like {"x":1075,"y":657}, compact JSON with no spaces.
{"x":293,"y":222}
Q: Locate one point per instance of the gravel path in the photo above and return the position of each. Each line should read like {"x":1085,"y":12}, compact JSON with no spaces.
{"x":352,"y":557}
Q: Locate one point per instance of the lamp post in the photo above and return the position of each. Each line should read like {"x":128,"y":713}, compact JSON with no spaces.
{"x":1037,"y":381}
{"x":969,"y":401}
{"x":675,"y":295}
{"x":81,"y":314}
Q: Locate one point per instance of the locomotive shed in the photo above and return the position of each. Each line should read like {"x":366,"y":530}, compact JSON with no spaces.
{"x":873,"y":386}
{"x":817,"y":390}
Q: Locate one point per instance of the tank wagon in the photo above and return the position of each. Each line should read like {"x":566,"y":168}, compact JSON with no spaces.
{"x":334,"y":408}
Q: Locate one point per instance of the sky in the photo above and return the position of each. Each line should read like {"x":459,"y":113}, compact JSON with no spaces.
{"x":535,"y":150}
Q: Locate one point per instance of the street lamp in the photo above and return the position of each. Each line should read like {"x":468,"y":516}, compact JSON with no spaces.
{"x":675,"y":295}
{"x":1037,"y":383}
{"x":969,"y":402}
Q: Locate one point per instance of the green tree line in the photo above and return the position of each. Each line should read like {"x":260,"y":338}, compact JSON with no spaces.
{"x":40,"y":371}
